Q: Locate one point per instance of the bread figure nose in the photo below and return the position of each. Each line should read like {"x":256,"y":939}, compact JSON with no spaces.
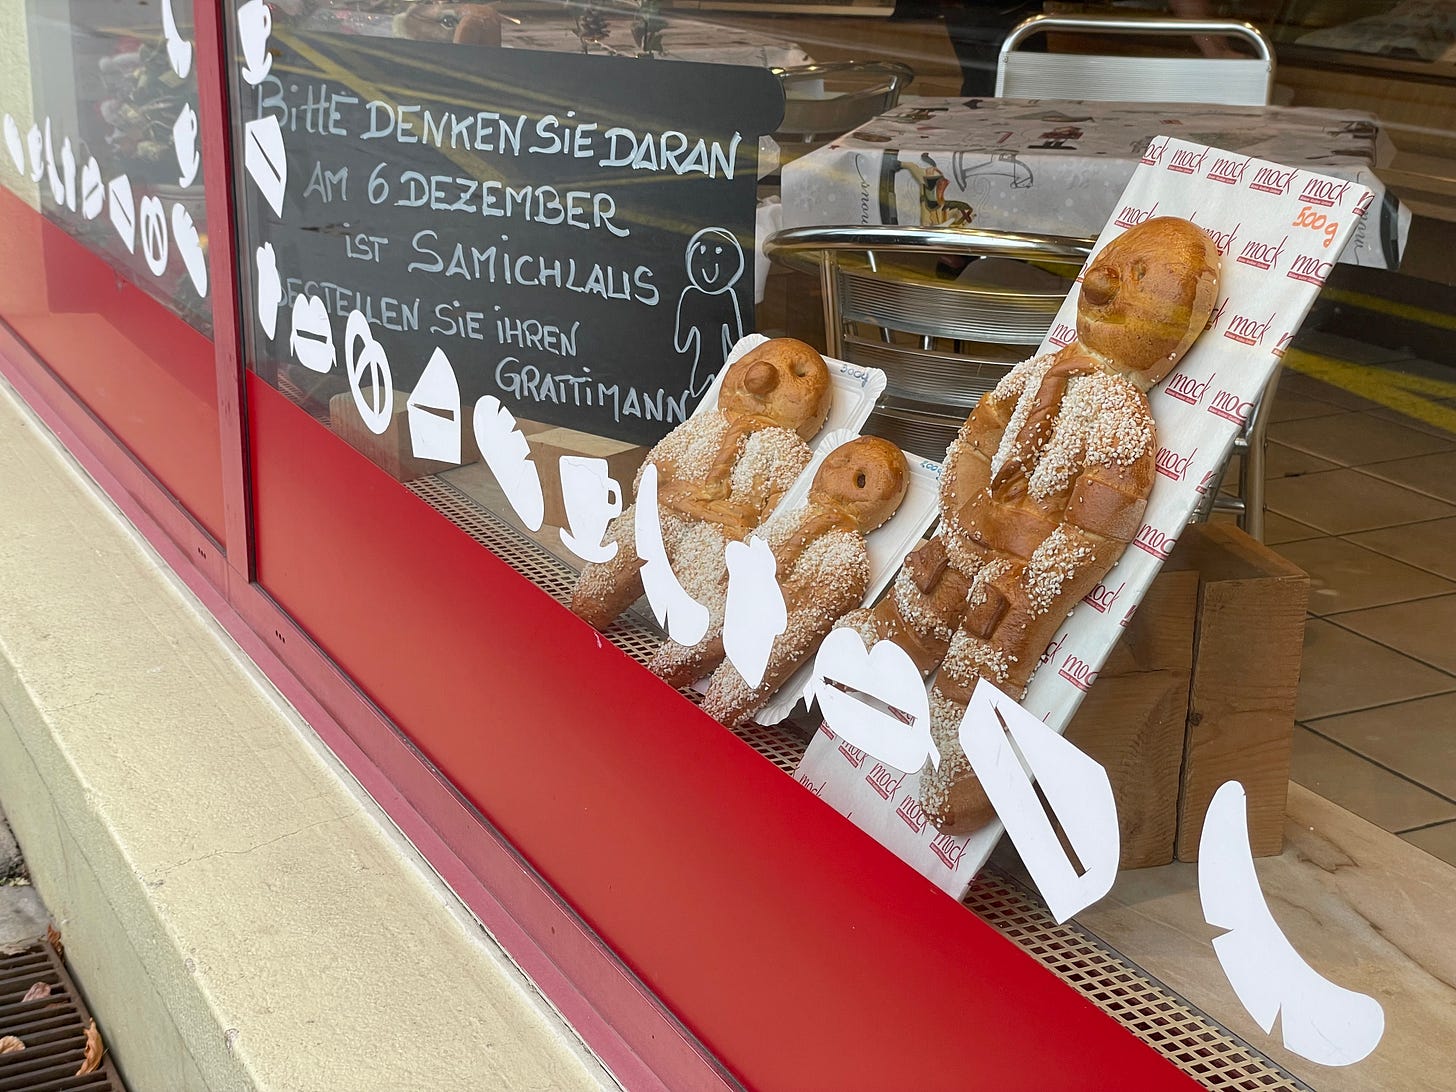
{"x":762,"y":378}
{"x":1100,"y":286}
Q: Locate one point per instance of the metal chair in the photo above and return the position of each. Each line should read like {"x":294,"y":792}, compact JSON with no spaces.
{"x":812,"y":112}
{"x":1113,"y":78}
{"x":942,"y":343}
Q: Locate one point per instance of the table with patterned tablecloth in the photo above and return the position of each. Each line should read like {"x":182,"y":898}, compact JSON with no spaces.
{"x":1058,"y":167}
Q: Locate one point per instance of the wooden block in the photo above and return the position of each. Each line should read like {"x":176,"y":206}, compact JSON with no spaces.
{"x":550,"y":444}
{"x":1247,"y":654}
{"x":390,"y":450}
{"x":1132,"y":721}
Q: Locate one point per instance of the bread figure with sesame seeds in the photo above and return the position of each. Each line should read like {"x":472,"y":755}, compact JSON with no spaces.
{"x":1041,"y":492}
{"x":823,"y":570}
{"x":721,"y":473}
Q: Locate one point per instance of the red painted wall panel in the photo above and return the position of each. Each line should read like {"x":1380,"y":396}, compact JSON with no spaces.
{"x":802,"y":953}
{"x":147,"y":375}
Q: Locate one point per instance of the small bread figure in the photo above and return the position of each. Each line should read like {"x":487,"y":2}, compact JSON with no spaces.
{"x":823,"y":571}
{"x":720,"y":473}
{"x":1042,"y":490}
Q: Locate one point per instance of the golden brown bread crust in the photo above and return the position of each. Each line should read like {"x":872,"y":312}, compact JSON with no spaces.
{"x":823,"y":567}
{"x":1147,"y":296}
{"x":1042,"y":490}
{"x":727,"y":467}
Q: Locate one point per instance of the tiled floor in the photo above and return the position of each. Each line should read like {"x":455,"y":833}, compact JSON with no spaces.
{"x":1363,"y":498}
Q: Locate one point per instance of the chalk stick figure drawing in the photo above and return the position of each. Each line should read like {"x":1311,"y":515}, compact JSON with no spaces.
{"x":709,"y":322}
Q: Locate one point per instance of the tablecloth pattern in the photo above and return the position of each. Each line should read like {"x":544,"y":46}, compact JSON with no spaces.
{"x":1058,"y":167}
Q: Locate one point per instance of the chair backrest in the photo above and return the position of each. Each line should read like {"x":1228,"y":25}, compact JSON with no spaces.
{"x":1233,"y":81}
{"x":941,"y":343}
{"x":859,"y":90}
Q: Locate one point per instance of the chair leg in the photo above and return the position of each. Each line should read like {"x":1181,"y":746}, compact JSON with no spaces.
{"x":1254,"y":466}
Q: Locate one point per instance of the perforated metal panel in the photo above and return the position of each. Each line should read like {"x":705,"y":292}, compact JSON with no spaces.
{"x":1199,"y":1046}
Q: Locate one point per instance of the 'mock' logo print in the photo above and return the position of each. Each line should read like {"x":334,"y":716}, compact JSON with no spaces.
{"x":1310,"y":269}
{"x":1062,"y":335}
{"x":1324,"y":191}
{"x":1230,"y":407}
{"x":1228,"y":170}
{"x":1187,"y":161}
{"x":1187,"y":389}
{"x":1077,"y":672}
{"x":911,"y":814}
{"x":1154,"y":153}
{"x":1262,"y":255}
{"x":1173,"y":465}
{"x":948,"y":850}
{"x":1132,"y":216}
{"x":1247,"y":331}
{"x":854,"y":754}
{"x":884,"y":780}
{"x":1152,"y":541}
{"x":1272,"y":180}
{"x":1102,"y":597}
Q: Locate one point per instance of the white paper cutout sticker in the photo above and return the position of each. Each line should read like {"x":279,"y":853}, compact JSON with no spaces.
{"x":152,"y":226}
{"x":53,"y":176}
{"x":505,"y":450}
{"x":15,"y":143}
{"x":184,"y":145}
{"x":255,"y":23}
{"x":179,"y":49}
{"x":36,"y":142}
{"x":263,"y":155}
{"x":1007,"y":746}
{"x":1320,"y":1021}
{"x":434,"y":412}
{"x":592,"y":499}
{"x":68,"y":173}
{"x":189,"y":246}
{"x":270,"y":289}
{"x":371,"y":381}
{"x":685,"y":619}
{"x":123,"y":210}
{"x":852,"y":685}
{"x":754,"y":613}
{"x":93,"y":191}
{"x":312,"y":337}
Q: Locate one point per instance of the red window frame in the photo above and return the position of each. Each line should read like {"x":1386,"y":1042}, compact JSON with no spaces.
{"x":699,"y":918}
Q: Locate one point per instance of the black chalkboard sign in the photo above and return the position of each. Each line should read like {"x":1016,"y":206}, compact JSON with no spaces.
{"x":574,"y":232}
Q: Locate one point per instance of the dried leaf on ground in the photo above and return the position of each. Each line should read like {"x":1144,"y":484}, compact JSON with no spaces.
{"x":95,"y":1051}
{"x":37,"y":992}
{"x":53,"y":938}
{"x":10,"y":1044}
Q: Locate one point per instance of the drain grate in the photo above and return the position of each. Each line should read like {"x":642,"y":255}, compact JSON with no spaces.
{"x":1186,"y":1036}
{"x":53,"y":1028}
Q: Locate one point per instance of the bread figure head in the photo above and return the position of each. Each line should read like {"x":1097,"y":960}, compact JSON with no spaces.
{"x":784,"y":381}
{"x":1146,"y":296}
{"x":865,"y":479}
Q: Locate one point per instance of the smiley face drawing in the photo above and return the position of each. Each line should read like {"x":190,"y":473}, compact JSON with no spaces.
{"x":709,"y":321}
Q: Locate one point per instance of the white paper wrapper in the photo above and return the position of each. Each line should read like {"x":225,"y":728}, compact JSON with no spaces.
{"x":1279,"y":230}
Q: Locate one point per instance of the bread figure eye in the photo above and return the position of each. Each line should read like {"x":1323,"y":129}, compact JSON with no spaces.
{"x":449,"y":22}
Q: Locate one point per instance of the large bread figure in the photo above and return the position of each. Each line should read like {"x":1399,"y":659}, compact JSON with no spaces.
{"x":1042,"y":490}
{"x":823,"y":569}
{"x":720,"y":473}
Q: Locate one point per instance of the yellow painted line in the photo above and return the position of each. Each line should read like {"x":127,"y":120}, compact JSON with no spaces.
{"x":1406,"y":394}
{"x":1389,"y":307}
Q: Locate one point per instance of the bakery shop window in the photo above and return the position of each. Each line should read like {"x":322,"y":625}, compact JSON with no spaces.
{"x":99,"y":109}
{"x":501,"y":252}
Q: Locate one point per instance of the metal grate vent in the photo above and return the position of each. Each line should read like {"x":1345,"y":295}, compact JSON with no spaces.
{"x":1199,"y":1046}
{"x":53,"y":1028}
